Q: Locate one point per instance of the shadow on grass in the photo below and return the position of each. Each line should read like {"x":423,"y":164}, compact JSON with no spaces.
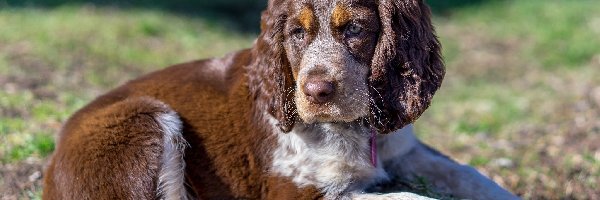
{"x":241,"y":15}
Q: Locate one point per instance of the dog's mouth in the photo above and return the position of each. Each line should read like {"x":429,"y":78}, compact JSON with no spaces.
{"x":332,"y":112}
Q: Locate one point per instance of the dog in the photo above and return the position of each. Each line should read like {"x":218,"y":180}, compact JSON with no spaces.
{"x":319,"y":108}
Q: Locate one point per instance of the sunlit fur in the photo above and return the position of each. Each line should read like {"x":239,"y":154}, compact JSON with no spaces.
{"x":249,"y":130}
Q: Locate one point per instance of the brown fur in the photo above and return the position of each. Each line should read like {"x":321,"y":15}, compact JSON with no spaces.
{"x":407,"y":67}
{"x":120,"y":132}
{"x":307,"y":18}
{"x":111,"y":148}
{"x":340,"y":16}
{"x":224,"y":161}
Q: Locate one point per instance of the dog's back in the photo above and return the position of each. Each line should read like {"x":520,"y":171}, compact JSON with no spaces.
{"x":129,"y":143}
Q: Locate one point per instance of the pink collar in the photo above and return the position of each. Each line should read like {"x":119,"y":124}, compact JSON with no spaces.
{"x":373,"y":143}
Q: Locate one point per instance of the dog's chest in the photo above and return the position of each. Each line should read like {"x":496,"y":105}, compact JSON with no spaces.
{"x":334,"y":158}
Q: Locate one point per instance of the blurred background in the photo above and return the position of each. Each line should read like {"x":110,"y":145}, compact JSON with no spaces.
{"x":520,"y":101}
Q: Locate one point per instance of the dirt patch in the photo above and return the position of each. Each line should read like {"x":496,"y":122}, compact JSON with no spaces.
{"x":21,"y":180}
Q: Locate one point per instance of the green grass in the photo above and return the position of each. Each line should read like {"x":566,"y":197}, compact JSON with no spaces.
{"x":521,"y":97}
{"x":38,"y":144}
{"x":69,"y":37}
{"x":560,"y":33}
{"x":520,"y":100}
{"x":54,"y":61}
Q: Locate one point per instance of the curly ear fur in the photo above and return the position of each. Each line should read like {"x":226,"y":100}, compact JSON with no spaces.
{"x":407,"y":67}
{"x":271,"y":70}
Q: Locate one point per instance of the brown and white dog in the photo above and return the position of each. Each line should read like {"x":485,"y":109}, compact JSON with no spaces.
{"x":319,"y":107}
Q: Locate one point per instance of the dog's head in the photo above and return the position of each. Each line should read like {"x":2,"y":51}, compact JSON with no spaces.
{"x":345,"y":60}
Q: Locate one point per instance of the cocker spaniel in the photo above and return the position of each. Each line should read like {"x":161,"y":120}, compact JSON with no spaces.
{"x":319,"y":107}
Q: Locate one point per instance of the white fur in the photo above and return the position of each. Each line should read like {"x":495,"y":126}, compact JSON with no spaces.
{"x":215,"y":66}
{"x":333,"y":157}
{"x":389,"y":196}
{"x":171,"y":178}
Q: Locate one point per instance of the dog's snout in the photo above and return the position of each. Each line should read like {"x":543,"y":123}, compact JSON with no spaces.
{"x":319,"y":91}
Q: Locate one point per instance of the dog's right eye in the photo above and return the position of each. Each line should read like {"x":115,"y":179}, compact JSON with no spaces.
{"x":298,"y":33}
{"x":353,"y":30}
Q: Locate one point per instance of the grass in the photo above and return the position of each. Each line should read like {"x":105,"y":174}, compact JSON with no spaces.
{"x":521,"y":98}
{"x":54,"y":61}
{"x":561,"y":33}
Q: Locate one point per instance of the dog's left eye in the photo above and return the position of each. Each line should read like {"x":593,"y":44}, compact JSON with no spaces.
{"x":353,"y":30}
{"x":298,"y":33}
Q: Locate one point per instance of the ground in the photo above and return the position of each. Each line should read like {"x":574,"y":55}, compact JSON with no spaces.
{"x":520,"y":101}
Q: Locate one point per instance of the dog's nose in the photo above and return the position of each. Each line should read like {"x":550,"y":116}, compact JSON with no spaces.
{"x":318,"y":91}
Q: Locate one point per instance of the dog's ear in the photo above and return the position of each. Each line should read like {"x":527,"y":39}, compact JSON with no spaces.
{"x":272,"y":74}
{"x":407,"y":67}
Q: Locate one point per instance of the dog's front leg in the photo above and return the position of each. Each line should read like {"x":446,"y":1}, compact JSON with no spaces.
{"x":405,"y":157}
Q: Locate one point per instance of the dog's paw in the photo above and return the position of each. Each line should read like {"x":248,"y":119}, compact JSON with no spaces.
{"x":388,"y":196}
